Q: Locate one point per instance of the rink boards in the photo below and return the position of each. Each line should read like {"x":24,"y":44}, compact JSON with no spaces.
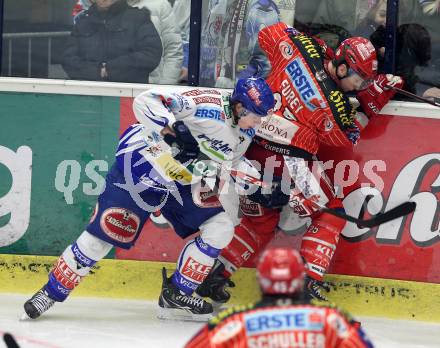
{"x":56,"y":148}
{"x":127,"y":279}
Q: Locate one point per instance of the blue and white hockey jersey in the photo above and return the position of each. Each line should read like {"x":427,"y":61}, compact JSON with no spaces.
{"x":206,"y":113}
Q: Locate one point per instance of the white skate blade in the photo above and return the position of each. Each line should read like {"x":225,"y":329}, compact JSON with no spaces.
{"x":24,"y":317}
{"x":218,"y":307}
{"x":182,"y":315}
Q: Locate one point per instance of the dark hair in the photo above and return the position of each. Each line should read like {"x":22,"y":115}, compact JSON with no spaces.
{"x":415,"y":39}
{"x":413,"y":49}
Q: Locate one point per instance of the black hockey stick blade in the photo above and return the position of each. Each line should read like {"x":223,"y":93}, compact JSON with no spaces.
{"x":10,"y":341}
{"x":381,"y":218}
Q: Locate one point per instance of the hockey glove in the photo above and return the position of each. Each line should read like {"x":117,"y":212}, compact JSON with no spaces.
{"x":273,"y":199}
{"x":375,"y":97}
{"x":184,"y":141}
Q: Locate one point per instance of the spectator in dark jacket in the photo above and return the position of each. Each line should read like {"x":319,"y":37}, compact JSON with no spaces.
{"x":413,"y":50}
{"x":112,"y":41}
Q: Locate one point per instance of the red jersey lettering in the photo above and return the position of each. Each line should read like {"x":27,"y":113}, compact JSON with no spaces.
{"x":309,"y":117}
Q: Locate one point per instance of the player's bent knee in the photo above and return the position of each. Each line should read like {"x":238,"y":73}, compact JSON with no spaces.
{"x":218,"y":230}
{"x":92,"y":246}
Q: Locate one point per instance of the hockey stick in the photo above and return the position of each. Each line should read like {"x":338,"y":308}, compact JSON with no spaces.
{"x":415,"y":96}
{"x":10,"y":341}
{"x":378,"y":219}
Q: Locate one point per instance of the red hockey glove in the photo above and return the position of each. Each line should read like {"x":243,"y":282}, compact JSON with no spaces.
{"x":376,"y":95}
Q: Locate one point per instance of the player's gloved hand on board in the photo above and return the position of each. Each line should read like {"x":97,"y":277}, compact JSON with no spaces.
{"x":377,"y":94}
{"x":184,"y":141}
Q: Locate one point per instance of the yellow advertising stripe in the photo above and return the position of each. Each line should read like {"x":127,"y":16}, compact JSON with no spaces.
{"x":398,"y":299}
{"x":110,"y":278}
{"x":142,"y":280}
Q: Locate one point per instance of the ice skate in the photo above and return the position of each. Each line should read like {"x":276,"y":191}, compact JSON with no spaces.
{"x":215,"y":287}
{"x":313,"y":289}
{"x":175,"y":305}
{"x":37,"y":305}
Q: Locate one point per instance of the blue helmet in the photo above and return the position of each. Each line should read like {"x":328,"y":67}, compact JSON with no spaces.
{"x":254,"y":94}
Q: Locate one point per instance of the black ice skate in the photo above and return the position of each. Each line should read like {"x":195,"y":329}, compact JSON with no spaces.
{"x":313,"y":289}
{"x":37,"y":305}
{"x":216,"y":285}
{"x":175,"y":305}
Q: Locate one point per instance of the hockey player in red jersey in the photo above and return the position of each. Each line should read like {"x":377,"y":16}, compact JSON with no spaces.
{"x":309,"y":83}
{"x":282,"y":318}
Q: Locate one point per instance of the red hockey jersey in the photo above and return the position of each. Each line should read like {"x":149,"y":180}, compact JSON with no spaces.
{"x":291,"y":326}
{"x":310,"y":108}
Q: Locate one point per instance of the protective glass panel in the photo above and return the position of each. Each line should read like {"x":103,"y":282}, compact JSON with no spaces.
{"x":418,"y":47}
{"x":229,"y":48}
{"x":229,"y":45}
{"x":97,"y":40}
{"x":34,"y":32}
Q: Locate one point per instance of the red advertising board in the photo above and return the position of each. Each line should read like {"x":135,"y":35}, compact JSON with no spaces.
{"x":397,"y":159}
{"x":407,"y":151}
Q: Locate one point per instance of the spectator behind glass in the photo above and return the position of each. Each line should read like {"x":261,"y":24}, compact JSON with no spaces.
{"x":329,"y":20}
{"x":413,"y":48}
{"x":429,"y":77}
{"x":376,"y":16}
{"x":341,"y":13}
{"x":164,"y":21}
{"x":229,"y":48}
{"x":181,"y":12}
{"x":168,"y":71}
{"x":336,"y":20}
{"x":413,"y":44}
{"x":112,"y":41}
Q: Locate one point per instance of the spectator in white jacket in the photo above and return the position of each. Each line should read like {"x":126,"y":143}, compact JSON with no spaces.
{"x":162,"y":16}
{"x":182,"y":11}
{"x":169,"y":69}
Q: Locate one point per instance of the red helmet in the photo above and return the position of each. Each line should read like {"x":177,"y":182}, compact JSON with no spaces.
{"x":280,"y":271}
{"x":360,"y":55}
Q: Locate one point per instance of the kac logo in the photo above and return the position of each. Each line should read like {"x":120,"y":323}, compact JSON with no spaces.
{"x":286,"y":49}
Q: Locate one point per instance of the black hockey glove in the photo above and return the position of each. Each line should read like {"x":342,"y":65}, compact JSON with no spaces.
{"x":274,"y":199}
{"x":184,"y":141}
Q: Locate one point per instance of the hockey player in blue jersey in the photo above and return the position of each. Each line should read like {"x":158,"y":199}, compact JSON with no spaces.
{"x":157,"y":167}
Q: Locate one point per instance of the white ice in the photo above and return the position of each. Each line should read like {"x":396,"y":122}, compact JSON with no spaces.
{"x":92,"y":322}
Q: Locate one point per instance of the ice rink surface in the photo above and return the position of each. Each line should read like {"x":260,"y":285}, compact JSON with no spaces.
{"x":99,"y":323}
